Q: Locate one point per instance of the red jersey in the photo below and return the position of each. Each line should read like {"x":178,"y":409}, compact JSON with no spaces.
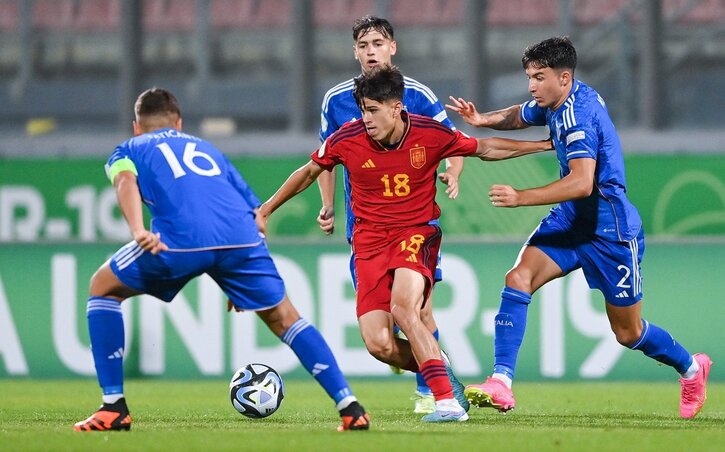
{"x":394,"y":187}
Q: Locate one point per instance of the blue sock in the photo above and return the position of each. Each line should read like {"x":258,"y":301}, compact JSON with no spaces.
{"x":422,"y":385}
{"x":658,"y":344}
{"x":317,"y":358}
{"x":509,"y":330}
{"x":105,"y":326}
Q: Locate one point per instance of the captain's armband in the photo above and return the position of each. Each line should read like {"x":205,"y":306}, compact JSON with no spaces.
{"x":124,"y":164}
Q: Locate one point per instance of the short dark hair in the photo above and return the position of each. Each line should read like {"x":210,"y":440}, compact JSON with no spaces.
{"x":156,"y":102}
{"x":556,"y":53}
{"x":363,"y":25}
{"x":381,"y":84}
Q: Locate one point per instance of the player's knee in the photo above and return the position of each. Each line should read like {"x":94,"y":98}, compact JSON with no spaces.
{"x":520,"y":279}
{"x":381,"y":348}
{"x":96,"y":287}
{"x":280,"y":318}
{"x":627,"y":335}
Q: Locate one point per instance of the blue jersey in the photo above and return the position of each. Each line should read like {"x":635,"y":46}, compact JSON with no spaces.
{"x":581,"y":128}
{"x":339,"y":107}
{"x":196,"y":197}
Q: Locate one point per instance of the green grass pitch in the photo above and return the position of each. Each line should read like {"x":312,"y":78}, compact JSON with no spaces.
{"x":197,"y":415}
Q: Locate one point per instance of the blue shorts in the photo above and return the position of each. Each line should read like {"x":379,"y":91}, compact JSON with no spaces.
{"x":247,"y":275}
{"x":613,"y":267}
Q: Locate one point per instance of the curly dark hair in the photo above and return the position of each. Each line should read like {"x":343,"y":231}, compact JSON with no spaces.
{"x":381,"y":84}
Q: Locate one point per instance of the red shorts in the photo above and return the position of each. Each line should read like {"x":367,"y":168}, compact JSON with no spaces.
{"x":378,"y":252}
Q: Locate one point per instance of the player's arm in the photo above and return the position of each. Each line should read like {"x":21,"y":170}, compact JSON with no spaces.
{"x":578,"y":184}
{"x":506,"y":119}
{"x":129,"y":201}
{"x":327,"y":180}
{"x":298,"y":181}
{"x":454,"y":168}
{"x":326,"y":219}
{"x":503,"y":148}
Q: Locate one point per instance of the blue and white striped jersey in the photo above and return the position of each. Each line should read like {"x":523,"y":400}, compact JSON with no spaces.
{"x":581,"y":128}
{"x":339,"y":107}
{"x":196,"y":197}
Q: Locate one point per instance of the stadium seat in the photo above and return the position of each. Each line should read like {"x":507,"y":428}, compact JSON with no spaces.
{"x":274,"y":13}
{"x":9,"y":16}
{"x":246,"y":14}
{"x":341,"y":13}
{"x":232,"y":13}
{"x":706,"y":11}
{"x":426,"y":12}
{"x":522,"y":12}
{"x":98,"y":15}
{"x":169,"y":15}
{"x":588,"y":12}
{"x":53,"y":15}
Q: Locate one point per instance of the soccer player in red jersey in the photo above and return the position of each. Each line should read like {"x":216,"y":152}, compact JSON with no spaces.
{"x":392,"y":158}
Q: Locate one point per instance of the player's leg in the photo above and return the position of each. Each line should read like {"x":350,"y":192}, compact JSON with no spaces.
{"x":250,"y":279}
{"x":533,"y":269}
{"x":106,"y":330}
{"x":636,"y":333}
{"x":129,"y":272}
{"x":407,"y":296}
{"x":423,"y":396}
{"x":622,"y":290}
{"x":317,"y":358}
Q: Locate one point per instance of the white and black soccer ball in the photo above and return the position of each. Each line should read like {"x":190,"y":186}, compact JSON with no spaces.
{"x":256,"y":390}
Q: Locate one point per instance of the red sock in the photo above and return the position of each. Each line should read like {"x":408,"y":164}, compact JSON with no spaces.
{"x":434,"y":373}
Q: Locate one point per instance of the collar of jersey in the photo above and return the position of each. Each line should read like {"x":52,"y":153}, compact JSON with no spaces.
{"x":381,"y":147}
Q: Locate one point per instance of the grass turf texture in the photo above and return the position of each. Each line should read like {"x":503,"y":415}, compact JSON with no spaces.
{"x":197,"y":415}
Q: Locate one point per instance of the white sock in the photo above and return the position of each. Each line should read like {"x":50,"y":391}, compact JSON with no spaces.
{"x":692,"y":370}
{"x":344,"y":403}
{"x":505,"y":378}
{"x":112,"y":398}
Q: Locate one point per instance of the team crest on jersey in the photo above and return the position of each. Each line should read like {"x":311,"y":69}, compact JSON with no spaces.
{"x":417,"y":157}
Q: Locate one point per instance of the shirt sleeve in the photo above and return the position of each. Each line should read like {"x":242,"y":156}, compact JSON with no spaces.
{"x":460,"y":145}
{"x":581,"y":141}
{"x":119,"y":161}
{"x":241,"y":185}
{"x":532,"y":114}
{"x":326,"y":156}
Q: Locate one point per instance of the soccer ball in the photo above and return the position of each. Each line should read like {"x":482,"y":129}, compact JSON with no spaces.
{"x":256,"y":390}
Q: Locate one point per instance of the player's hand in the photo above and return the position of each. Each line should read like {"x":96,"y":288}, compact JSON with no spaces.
{"x":231,"y":306}
{"x":149,"y":241}
{"x":452,"y":182}
{"x":260,"y":217}
{"x":326,"y":219}
{"x":504,"y":196}
{"x":467,"y":111}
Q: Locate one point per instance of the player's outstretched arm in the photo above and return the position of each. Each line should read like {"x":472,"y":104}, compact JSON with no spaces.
{"x":578,"y":184}
{"x":326,"y":218}
{"x":506,"y":119}
{"x":298,"y":181}
{"x":503,"y":148}
{"x":129,"y":201}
